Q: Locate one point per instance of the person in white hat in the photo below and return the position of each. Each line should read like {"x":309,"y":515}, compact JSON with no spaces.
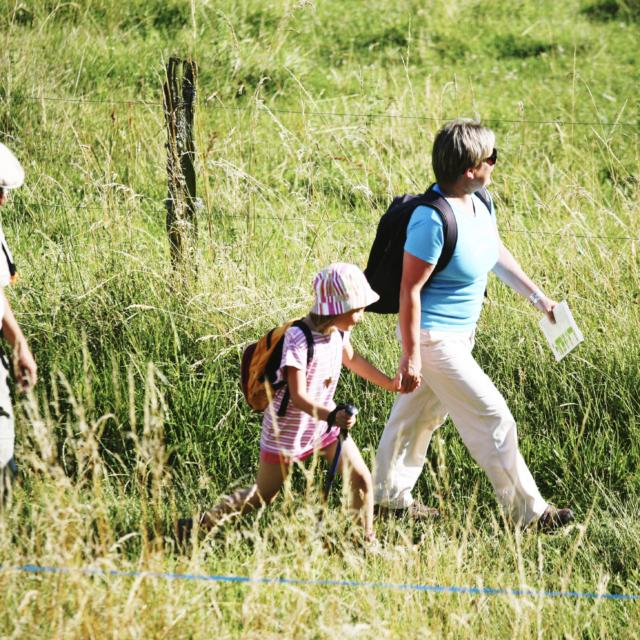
{"x":311,"y":421}
{"x":24,"y":365}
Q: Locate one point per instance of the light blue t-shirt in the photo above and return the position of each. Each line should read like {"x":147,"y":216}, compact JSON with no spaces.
{"x":453,"y":298}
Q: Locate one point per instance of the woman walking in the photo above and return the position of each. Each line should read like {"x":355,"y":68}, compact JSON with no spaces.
{"x":437,"y":324}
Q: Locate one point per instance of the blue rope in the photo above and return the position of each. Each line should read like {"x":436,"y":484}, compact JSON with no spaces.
{"x":481,"y":591}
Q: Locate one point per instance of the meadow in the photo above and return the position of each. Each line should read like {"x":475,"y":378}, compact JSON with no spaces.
{"x":311,"y":115}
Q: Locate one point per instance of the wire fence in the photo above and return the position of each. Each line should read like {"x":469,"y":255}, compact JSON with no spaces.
{"x":350,"y":220}
{"x":158,"y":208}
{"x":34,"y":569}
{"x":261,"y":107}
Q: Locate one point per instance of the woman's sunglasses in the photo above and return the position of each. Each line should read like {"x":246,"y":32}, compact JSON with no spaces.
{"x":493,"y":158}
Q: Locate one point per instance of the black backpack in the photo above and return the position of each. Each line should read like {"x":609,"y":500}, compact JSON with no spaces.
{"x":384,"y":267}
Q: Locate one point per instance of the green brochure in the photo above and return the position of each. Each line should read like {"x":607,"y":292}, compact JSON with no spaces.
{"x":563,"y":335}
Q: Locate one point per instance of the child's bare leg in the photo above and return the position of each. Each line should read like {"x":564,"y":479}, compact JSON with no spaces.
{"x":354,"y":470}
{"x":268,"y":483}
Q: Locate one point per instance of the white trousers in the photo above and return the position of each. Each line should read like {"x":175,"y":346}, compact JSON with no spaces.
{"x":7,"y":435}
{"x":453,"y":383}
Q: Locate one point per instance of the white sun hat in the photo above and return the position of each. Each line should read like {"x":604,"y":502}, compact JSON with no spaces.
{"x":341,"y":287}
{"x":11,"y":171}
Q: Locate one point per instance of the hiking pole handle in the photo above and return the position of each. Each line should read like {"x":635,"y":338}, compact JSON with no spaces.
{"x":344,"y":434}
{"x":352,"y":411}
{"x":331,"y":418}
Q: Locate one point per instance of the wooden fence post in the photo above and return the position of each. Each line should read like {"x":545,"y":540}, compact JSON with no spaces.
{"x":179,"y":104}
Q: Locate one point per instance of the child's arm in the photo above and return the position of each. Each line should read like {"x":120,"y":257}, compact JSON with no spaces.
{"x":362,"y":367}
{"x":297,"y":382}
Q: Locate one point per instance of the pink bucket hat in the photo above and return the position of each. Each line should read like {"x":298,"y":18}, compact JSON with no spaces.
{"x":339,"y":288}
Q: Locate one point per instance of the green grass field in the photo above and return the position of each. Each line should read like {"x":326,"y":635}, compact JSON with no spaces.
{"x":311,"y":115}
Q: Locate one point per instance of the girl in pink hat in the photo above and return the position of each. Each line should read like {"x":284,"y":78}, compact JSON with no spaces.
{"x":312,"y":420}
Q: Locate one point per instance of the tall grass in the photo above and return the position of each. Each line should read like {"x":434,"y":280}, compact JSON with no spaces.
{"x":138,"y":417}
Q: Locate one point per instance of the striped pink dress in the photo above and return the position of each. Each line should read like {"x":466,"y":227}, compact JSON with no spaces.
{"x":297,"y":434}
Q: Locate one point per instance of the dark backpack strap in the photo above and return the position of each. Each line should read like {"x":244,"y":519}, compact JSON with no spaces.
{"x":449,"y":224}
{"x":10,"y":263}
{"x":285,"y":402}
{"x":485,"y":198}
{"x":438,"y":202}
{"x":304,"y":327}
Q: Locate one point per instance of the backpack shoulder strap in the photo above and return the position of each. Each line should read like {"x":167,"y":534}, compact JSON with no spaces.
{"x":438,"y":202}
{"x":485,"y":197}
{"x":304,"y":327}
{"x":11,"y":267}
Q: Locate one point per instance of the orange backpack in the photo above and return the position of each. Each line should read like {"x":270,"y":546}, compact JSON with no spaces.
{"x":260,"y":363}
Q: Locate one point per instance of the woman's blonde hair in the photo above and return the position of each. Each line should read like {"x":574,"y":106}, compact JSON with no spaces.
{"x":460,"y":144}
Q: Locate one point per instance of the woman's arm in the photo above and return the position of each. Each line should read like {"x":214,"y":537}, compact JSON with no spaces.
{"x":24,"y":365}
{"x":415,"y":273}
{"x":362,"y":367}
{"x":297,"y":382}
{"x":511,"y":273}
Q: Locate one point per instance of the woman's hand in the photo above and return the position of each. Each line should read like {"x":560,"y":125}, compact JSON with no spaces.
{"x":415,"y":273}
{"x":547,"y":305}
{"x":409,"y":371}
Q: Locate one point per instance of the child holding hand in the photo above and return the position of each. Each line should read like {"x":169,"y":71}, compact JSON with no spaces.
{"x":312,"y":422}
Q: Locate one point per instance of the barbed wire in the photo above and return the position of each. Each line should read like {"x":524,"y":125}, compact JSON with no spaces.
{"x":260,"y":108}
{"x":414,"y":117}
{"x":132,"y":102}
{"x":320,"y":220}
{"x":325,"y":220}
